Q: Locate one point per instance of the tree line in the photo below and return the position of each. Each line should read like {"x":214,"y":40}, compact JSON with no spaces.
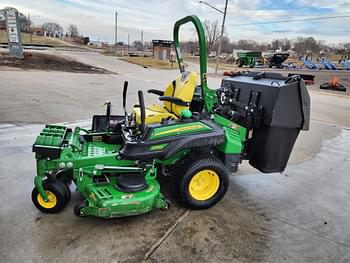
{"x":51,"y":29}
{"x":300,"y":45}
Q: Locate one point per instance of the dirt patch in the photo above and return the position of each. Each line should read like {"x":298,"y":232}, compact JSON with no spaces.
{"x":43,"y":61}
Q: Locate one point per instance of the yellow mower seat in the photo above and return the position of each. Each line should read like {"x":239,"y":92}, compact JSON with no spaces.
{"x":154,"y":114}
{"x":182,"y":88}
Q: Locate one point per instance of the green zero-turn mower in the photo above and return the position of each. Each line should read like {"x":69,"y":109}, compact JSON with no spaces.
{"x":196,"y":135}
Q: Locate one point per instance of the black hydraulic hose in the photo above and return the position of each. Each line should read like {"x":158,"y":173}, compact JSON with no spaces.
{"x":142,"y":110}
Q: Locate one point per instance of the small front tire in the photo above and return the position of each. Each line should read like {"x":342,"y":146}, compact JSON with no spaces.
{"x":56,"y":194}
{"x":62,"y":185}
{"x":78,"y":207}
{"x":168,"y":205}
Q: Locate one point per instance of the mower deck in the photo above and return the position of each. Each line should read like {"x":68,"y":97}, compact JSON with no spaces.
{"x":105,"y":200}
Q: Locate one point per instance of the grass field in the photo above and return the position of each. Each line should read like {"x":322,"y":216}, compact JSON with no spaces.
{"x":211,"y":62}
{"x":150,"y":62}
{"x":36,"y":39}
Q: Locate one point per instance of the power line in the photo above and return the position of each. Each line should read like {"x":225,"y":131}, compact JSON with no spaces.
{"x":296,"y":31}
{"x":291,"y":20}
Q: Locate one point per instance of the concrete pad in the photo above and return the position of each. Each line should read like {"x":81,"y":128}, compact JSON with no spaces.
{"x":298,"y":216}
{"x":269,"y":218}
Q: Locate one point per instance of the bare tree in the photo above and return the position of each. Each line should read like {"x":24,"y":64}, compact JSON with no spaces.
{"x":147,"y":44}
{"x":137,"y":44}
{"x":73,"y":30}
{"x":212,"y":33}
{"x":275,"y":44}
{"x":52,"y":29}
{"x":248,"y":45}
{"x":285,"y":44}
{"x":304,"y":45}
{"x":25,"y":23}
{"x":190,"y":47}
{"x":346,"y":47}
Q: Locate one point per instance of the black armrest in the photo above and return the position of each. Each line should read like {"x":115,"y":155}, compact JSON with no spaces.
{"x":155,"y":91}
{"x":174,"y":100}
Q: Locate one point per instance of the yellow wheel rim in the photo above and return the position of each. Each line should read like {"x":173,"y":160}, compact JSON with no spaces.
{"x":49,"y":204}
{"x":204,"y":185}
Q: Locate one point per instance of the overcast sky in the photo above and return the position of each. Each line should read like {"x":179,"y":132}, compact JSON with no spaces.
{"x":95,"y":18}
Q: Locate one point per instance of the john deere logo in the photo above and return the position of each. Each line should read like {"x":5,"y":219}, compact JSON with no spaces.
{"x":158,"y":147}
{"x":180,"y":129}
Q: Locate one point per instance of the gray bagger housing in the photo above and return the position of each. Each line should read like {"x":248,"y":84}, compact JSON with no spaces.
{"x":274,"y":108}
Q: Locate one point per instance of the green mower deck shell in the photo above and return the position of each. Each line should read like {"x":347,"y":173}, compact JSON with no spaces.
{"x":107,"y":202}
{"x":95,"y":159}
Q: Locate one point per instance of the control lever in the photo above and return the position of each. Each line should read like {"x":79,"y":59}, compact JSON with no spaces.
{"x":292,"y":79}
{"x":259,"y":76}
{"x":108,"y":114}
{"x":125,"y":90}
{"x":143,"y":111}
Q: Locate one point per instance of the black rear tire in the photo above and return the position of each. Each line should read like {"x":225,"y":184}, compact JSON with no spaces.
{"x":191,"y":166}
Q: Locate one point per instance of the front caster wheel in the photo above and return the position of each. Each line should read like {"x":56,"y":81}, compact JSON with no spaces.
{"x":56,"y":194}
{"x":62,"y":185}
{"x":168,"y":205}
{"x":78,"y":208}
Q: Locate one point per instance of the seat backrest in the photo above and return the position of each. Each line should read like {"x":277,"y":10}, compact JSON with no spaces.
{"x":182,"y":88}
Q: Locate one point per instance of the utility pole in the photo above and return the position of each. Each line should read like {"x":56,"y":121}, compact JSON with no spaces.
{"x":142,"y":39}
{"x":116,"y":29}
{"x":116,"y":34}
{"x":128,"y":41}
{"x":30,"y":29}
{"x":220,"y":42}
{"x":222,"y":30}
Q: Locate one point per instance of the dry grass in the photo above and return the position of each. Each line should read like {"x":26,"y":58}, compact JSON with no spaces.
{"x":212,"y":62}
{"x":150,"y":62}
{"x":39,"y":40}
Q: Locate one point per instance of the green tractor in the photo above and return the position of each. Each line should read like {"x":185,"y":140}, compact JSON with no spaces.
{"x":247,"y":58}
{"x":196,"y":135}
